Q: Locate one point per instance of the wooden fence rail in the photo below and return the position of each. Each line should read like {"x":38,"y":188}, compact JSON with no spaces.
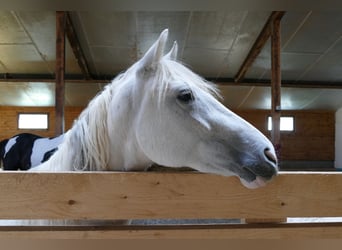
{"x":110,"y":196}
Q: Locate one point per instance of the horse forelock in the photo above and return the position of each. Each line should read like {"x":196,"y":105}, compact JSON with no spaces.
{"x":169,"y":70}
{"x":165,"y":71}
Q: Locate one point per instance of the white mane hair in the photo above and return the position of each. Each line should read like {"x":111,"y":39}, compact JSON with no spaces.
{"x":88,"y":137}
{"x":168,"y":70}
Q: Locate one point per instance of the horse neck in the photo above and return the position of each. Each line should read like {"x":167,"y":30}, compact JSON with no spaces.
{"x":125,"y":151}
{"x":116,"y":150}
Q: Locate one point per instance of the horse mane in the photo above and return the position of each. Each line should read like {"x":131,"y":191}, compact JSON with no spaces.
{"x":88,"y":138}
{"x":89,"y":135}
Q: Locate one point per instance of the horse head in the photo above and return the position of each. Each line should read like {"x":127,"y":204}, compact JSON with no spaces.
{"x":180,"y":122}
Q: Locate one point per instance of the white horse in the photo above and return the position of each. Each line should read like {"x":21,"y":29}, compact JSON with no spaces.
{"x":159,"y":111}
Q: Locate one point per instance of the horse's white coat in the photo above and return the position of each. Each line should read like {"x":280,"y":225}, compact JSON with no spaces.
{"x":158,"y":111}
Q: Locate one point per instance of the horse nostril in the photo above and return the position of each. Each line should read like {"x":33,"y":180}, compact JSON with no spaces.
{"x":270,"y":156}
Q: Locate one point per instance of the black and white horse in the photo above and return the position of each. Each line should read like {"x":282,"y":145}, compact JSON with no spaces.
{"x":25,"y":150}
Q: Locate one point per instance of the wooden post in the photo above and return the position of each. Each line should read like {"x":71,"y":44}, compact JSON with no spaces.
{"x":276,"y":84}
{"x":276,"y":104}
{"x":60,"y":70}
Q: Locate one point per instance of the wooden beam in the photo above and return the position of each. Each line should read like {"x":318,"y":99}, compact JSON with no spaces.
{"x":169,"y":195}
{"x":60,"y":71}
{"x":258,"y":45}
{"x":76,"y":47}
{"x":24,"y":78}
{"x":276,"y":84}
{"x":166,"y":195}
{"x":251,"y":231}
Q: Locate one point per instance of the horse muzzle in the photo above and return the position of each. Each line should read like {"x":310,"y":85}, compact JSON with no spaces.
{"x":257,"y":174}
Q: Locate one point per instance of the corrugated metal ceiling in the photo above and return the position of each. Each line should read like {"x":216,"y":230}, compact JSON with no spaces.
{"x":213,"y":44}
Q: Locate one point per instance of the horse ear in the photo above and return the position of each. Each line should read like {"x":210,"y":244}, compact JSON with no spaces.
{"x":155,"y":53}
{"x":172,"y":55}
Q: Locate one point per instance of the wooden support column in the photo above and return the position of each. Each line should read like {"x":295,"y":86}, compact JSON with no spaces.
{"x":60,"y":71}
{"x":276,"y":104}
{"x":276,"y":84}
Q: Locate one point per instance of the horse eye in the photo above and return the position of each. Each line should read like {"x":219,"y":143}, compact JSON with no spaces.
{"x":185,"y":96}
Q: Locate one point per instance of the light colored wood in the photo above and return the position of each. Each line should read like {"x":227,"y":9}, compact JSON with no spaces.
{"x":169,"y":195}
{"x":256,"y":231}
{"x":165,"y":195}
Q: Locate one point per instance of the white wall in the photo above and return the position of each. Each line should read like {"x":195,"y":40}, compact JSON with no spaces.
{"x":338,"y":139}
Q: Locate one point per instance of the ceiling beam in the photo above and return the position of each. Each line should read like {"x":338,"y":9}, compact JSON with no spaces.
{"x":25,"y":78}
{"x":258,"y":45}
{"x":76,"y":47}
{"x":284,"y":83}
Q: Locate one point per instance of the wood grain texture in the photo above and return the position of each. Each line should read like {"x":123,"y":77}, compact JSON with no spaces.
{"x":168,"y":195}
{"x":165,"y":195}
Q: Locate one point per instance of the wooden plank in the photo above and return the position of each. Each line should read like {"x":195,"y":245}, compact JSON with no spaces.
{"x":256,"y":231}
{"x":23,"y":78}
{"x":258,"y":45}
{"x":165,"y":195}
{"x":60,"y":71}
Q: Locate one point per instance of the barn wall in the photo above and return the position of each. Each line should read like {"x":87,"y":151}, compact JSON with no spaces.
{"x":9,"y":120}
{"x":312,"y":140}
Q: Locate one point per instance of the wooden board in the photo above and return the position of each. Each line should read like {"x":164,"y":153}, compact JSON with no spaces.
{"x":165,"y":195}
{"x":256,"y":231}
